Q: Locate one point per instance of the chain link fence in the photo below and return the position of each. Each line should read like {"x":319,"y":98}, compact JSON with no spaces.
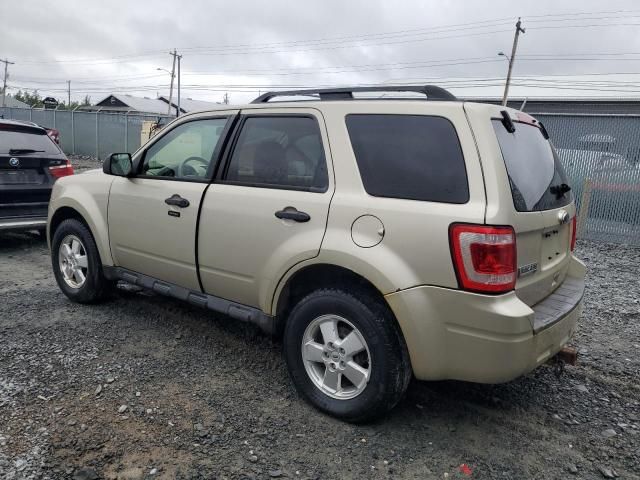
{"x":96,"y":134}
{"x":601,"y":154}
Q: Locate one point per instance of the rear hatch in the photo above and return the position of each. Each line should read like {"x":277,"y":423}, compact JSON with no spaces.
{"x":540,"y":208}
{"x":27,"y":156}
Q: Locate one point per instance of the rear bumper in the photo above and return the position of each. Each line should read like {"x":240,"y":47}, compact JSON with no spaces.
{"x":32,"y":223}
{"x":488,"y":339}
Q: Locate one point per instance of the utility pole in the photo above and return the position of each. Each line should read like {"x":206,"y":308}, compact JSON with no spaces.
{"x":519,"y":30}
{"x":68,"y":93}
{"x":173,"y":74}
{"x":6,"y":75}
{"x":225,"y":99}
{"x":178,"y":112}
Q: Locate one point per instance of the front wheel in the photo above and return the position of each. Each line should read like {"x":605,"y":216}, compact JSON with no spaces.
{"x":76,"y":263}
{"x":346,"y":355}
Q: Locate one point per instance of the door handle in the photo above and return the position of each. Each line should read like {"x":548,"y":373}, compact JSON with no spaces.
{"x":291,"y":213}
{"x":177,"y":200}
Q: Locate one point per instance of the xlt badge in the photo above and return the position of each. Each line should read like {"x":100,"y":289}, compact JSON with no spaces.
{"x":527,"y":269}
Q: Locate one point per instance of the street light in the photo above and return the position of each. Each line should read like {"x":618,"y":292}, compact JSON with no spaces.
{"x":165,"y":70}
{"x":502,"y":54}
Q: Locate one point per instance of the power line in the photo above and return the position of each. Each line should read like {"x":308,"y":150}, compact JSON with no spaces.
{"x":453,"y":27}
{"x":453,"y":83}
{"x":574,"y":14}
{"x":346,"y":69}
{"x":329,"y":42}
{"x":226,"y":52}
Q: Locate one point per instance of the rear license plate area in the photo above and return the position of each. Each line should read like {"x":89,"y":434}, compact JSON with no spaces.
{"x":555,"y":244}
{"x":19,"y":177}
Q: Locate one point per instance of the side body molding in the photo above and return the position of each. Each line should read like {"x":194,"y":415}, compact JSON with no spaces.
{"x":234,"y":310}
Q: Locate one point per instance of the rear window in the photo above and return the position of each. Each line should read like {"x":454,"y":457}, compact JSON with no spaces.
{"x":416,"y":157}
{"x":23,"y":139}
{"x":533,"y":168}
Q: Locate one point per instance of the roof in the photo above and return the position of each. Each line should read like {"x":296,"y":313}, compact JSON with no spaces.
{"x":569,"y":105}
{"x":156,"y":106}
{"x":139,"y":104}
{"x":377,"y":105}
{"x":13,"y":103}
{"x":557,"y":99}
{"x":189,"y":104}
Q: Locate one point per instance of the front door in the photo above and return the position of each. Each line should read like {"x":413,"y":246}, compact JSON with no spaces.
{"x":268,"y":210}
{"x":153,"y":216}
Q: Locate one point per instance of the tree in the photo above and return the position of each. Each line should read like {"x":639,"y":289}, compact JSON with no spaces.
{"x":33,"y":99}
{"x":86,"y":101}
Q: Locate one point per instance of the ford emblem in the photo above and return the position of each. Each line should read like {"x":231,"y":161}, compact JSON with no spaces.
{"x":14,"y":162}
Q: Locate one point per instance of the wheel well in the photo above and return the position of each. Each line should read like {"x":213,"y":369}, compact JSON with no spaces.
{"x":319,"y":276}
{"x":64,"y":213}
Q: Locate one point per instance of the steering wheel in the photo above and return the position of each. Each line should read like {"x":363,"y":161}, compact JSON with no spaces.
{"x":184,"y":167}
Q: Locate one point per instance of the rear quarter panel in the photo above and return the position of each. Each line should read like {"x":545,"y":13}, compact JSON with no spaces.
{"x":415,"y":247}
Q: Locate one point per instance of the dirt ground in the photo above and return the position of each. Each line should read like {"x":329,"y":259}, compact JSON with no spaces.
{"x":146,"y":387}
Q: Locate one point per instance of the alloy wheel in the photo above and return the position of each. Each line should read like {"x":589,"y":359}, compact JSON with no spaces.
{"x":336,"y":357}
{"x":72,"y":260}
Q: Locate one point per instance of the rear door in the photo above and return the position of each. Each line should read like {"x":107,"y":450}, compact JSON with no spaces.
{"x":268,"y":209}
{"x":27,"y":156}
{"x":527,"y":188}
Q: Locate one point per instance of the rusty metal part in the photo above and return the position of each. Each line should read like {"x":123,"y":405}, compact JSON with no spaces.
{"x":568,"y":355}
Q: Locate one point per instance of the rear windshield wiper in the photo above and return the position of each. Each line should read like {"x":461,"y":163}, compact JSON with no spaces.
{"x":559,"y":190}
{"x":507,"y":122}
{"x":22,"y":151}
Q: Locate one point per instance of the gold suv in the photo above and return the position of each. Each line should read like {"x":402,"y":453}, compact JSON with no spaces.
{"x":380,"y":237}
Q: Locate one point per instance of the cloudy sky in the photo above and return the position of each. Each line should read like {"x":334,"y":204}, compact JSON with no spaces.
{"x":570,"y":48}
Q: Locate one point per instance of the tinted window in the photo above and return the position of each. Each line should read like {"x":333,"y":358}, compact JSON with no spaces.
{"x":186,"y":151}
{"x":16,"y":139}
{"x":409,"y":156}
{"x":277,"y":151}
{"x":533,"y":168}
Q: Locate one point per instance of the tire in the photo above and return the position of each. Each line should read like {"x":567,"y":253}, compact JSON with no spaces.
{"x":95,"y":286}
{"x":369,"y":324}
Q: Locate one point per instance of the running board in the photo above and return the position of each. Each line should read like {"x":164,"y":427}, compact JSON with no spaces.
{"x":220,"y":305}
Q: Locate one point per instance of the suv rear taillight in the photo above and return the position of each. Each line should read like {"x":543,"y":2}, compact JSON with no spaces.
{"x":484,"y":257}
{"x":63,"y":170}
{"x":574,"y":231}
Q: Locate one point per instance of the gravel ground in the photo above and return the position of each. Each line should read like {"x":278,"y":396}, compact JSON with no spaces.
{"x":146,"y":387}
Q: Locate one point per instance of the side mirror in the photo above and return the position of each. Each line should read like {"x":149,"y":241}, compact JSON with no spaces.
{"x":119,"y":164}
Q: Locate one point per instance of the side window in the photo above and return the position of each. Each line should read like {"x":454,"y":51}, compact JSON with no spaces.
{"x":416,"y":157}
{"x":279,"y":152}
{"x":184,"y":152}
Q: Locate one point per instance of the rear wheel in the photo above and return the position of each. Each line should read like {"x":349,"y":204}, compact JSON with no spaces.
{"x":76,"y":263}
{"x":345,"y":354}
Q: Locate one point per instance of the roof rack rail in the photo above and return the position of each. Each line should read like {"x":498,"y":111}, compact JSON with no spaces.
{"x":432,"y":92}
